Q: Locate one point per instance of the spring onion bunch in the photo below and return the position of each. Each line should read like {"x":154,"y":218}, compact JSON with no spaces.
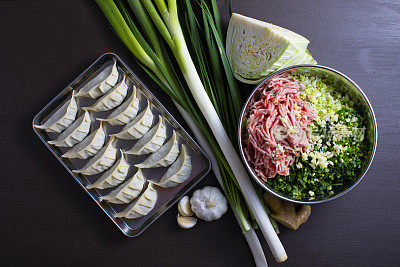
{"x":208,"y":98}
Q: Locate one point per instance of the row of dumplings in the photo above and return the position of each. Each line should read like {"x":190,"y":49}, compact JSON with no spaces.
{"x":74,"y":134}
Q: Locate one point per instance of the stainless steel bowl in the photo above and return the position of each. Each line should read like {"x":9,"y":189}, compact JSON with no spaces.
{"x":346,"y":86}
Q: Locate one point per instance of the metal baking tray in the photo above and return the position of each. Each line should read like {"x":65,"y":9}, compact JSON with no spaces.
{"x":166,"y":196}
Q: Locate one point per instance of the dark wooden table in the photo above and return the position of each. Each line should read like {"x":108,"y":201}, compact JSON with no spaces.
{"x":47,"y":220}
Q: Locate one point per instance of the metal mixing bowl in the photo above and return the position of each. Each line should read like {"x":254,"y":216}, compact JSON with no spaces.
{"x":346,"y":86}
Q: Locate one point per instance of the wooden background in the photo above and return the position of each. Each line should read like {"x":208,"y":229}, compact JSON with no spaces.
{"x":47,"y":220}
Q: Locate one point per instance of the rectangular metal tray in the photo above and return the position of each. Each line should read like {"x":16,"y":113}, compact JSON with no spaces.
{"x":166,"y":196}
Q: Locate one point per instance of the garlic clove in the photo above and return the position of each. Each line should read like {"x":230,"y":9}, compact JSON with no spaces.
{"x":186,"y":222}
{"x":184,"y":207}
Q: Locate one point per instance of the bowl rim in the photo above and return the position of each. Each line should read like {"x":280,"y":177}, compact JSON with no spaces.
{"x":249,"y":168}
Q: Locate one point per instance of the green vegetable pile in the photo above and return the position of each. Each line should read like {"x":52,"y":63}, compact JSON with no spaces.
{"x":339,"y":147}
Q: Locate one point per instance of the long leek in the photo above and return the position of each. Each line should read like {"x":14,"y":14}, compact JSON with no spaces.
{"x":165,"y":18}
{"x":182,"y":55}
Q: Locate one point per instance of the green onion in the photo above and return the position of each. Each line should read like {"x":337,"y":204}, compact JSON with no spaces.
{"x":216,"y":115}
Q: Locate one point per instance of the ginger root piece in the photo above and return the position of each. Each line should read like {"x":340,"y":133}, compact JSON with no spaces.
{"x":285,"y":213}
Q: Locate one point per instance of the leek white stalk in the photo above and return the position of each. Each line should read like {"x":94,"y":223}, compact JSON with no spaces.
{"x":196,"y":87}
{"x":255,"y":247}
{"x":249,"y":233}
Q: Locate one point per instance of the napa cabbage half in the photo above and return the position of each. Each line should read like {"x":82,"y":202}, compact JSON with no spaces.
{"x":256,"y":48}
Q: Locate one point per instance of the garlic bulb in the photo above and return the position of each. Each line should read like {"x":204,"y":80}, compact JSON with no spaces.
{"x":184,"y":207}
{"x":186,"y":222}
{"x":209,"y":203}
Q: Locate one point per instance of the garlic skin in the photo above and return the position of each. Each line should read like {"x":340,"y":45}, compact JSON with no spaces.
{"x":186,"y":222}
{"x":209,"y":203}
{"x":184,"y":207}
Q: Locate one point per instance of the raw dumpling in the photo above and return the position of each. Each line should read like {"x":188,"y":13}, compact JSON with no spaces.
{"x":124,"y":113}
{"x":139,"y":126}
{"x":112,"y":99}
{"x":102,"y":83}
{"x":62,"y":118}
{"x":89,"y":146}
{"x":127,"y":191}
{"x":101,"y":161}
{"x":113,"y":176}
{"x":142,"y":206}
{"x":164,"y":157}
{"x":178,"y":172}
{"x":151,"y":141}
{"x":75,"y":133}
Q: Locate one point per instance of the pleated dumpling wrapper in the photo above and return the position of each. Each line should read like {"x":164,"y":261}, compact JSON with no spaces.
{"x":62,"y":118}
{"x":124,"y":113}
{"x":151,"y":141}
{"x":75,"y":133}
{"x":112,"y":99}
{"x":89,"y":146}
{"x":139,"y":126}
{"x":101,"y":161}
{"x":141,"y":206}
{"x":102,"y":83}
{"x":113,"y":176}
{"x":127,"y":191}
{"x":163,"y":157}
{"x":178,"y":172}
